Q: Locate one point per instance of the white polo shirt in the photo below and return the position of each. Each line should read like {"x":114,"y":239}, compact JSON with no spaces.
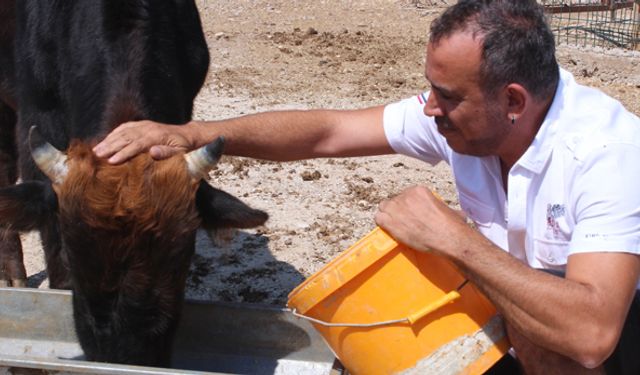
{"x":576,"y":188}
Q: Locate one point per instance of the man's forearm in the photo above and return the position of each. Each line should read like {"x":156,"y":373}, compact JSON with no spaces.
{"x":283,"y":135}
{"x":295,"y":135}
{"x":561,"y":315}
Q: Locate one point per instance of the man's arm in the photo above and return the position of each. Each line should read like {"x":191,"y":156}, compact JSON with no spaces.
{"x":580,"y":316}
{"x":280,"y":135}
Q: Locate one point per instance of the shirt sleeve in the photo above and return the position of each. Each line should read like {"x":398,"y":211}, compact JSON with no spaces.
{"x":410,"y":132}
{"x":607,"y":201}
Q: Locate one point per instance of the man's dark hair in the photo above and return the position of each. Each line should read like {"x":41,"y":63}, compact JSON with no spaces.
{"x":517,"y":43}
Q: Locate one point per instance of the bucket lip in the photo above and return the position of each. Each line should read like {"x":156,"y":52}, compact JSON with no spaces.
{"x":381,"y":242}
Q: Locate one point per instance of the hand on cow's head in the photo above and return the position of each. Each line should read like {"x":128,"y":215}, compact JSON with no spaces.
{"x":132,"y":138}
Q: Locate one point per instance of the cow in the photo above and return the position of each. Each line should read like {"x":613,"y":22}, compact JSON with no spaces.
{"x":12,"y":271}
{"x":120,"y":236}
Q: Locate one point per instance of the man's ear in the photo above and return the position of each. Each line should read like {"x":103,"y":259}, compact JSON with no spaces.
{"x":517,"y":100}
{"x":219,"y":209}
{"x":27,"y":206}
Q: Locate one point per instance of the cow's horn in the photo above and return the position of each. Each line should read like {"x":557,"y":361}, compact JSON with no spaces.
{"x":202,"y":160}
{"x":51,"y":161}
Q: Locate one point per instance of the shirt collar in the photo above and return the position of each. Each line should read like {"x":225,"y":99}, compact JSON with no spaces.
{"x":536,"y":156}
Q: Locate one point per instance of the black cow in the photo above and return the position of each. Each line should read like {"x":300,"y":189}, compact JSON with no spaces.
{"x":121,"y":237}
{"x":12,"y":271}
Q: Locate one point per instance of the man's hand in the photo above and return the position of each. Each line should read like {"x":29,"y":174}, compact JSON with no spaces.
{"x":133,"y":138}
{"x":423,"y":222}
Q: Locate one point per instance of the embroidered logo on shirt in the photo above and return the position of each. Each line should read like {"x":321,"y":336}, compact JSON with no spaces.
{"x":554,"y":211}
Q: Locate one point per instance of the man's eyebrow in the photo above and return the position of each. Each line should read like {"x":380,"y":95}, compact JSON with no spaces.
{"x":439,"y":88}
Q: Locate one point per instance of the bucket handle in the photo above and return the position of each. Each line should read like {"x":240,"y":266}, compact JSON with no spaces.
{"x":411,"y":319}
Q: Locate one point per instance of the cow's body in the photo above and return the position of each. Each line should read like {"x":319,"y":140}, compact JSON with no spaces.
{"x":79,"y":68}
{"x":12,"y":271}
{"x":83,"y":67}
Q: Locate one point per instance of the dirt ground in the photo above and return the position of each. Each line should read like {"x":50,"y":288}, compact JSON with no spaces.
{"x":277,"y":54}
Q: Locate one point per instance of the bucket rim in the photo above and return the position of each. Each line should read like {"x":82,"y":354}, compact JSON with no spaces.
{"x":341,"y":269}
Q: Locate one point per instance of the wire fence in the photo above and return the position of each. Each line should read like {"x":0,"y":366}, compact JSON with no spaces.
{"x":601,"y":23}
{"x":597,"y":23}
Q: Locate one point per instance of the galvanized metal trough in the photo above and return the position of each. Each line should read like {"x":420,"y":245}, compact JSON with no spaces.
{"x":37,"y":336}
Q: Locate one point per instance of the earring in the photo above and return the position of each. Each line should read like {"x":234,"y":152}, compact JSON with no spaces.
{"x":513,"y":119}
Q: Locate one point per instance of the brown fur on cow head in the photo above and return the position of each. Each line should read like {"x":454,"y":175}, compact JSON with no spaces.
{"x":141,"y":195}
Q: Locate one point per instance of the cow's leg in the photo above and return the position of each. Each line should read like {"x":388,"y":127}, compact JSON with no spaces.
{"x":57,"y":264}
{"x":12,"y":271}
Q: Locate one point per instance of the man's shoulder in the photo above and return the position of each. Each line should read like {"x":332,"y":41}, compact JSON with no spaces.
{"x":579,"y":101}
{"x":589,"y":119}
{"x":410,"y":132}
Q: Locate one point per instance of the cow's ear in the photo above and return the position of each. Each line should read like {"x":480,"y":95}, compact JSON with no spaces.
{"x":219,"y":209}
{"x":27,"y":206}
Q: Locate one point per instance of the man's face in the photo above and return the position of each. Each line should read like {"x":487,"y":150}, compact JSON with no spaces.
{"x":471,"y":122}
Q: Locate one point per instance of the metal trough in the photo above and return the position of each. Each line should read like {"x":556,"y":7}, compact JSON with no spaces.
{"x":37,"y":336}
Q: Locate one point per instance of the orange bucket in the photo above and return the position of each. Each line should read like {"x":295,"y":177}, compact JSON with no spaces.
{"x":384,"y":308}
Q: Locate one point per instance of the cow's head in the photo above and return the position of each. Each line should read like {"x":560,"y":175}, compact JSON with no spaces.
{"x":140,"y":212}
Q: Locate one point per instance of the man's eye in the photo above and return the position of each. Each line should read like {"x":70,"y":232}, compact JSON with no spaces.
{"x":438,"y":92}
{"x":443,"y":95}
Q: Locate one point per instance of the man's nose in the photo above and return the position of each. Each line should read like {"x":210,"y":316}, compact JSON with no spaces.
{"x":431,"y":107}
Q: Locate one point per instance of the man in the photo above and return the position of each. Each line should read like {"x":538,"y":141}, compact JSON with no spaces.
{"x":547,"y":169}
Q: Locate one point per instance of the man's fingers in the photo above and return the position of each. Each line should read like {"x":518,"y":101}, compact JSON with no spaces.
{"x":160,"y":152}
{"x":125,"y":153}
{"x":133,"y":138}
{"x":381,"y":219}
{"x":111,"y":145}
{"x":121,"y":137}
{"x":382,"y":205}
